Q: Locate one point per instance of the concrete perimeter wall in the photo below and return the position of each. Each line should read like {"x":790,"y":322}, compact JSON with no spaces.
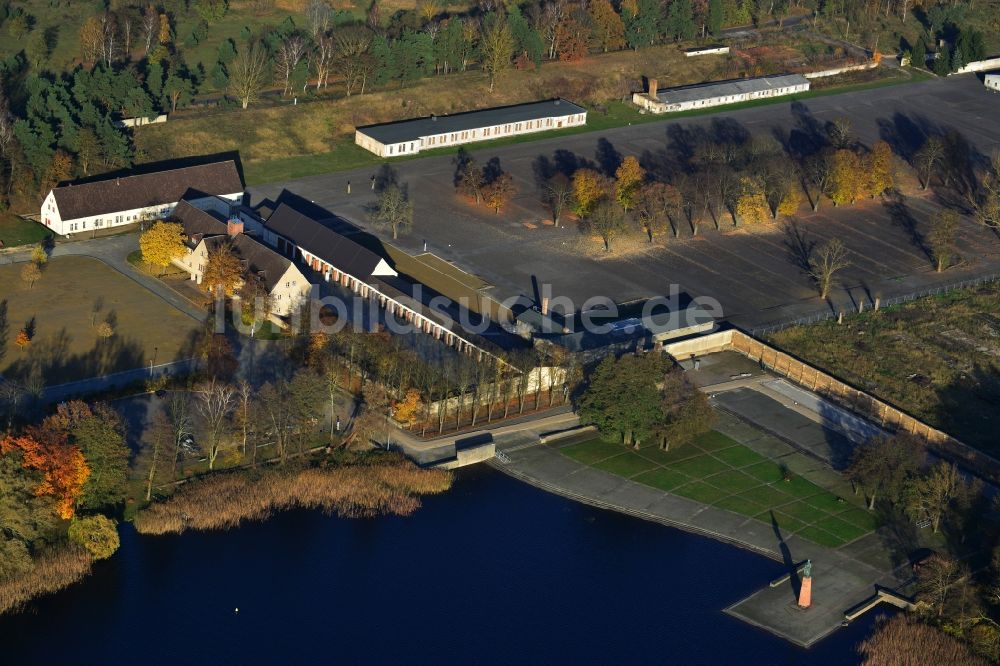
{"x":980,"y":66}
{"x":538,"y":379}
{"x":138,"y":122}
{"x":819,"y":382}
{"x":864,"y":404}
{"x":840,"y":70}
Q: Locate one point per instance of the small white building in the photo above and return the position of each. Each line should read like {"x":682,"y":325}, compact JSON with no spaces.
{"x":408,"y":137}
{"x":206,"y":230}
{"x":992,"y":81}
{"x":115,"y":202}
{"x":718,"y":93}
{"x":711,"y":49}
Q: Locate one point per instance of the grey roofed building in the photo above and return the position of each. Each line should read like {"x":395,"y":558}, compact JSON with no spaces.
{"x":199,"y":223}
{"x":148,"y":189}
{"x":319,"y":240}
{"x":736,"y":87}
{"x":258,"y":259}
{"x":411,"y":130}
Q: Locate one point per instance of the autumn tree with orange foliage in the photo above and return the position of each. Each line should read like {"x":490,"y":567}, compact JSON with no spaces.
{"x":589,"y":187}
{"x":845,"y":177}
{"x":628,"y":179}
{"x":64,"y":470}
{"x":405,"y":410}
{"x":571,"y":38}
{"x":499,"y":192}
{"x":752,"y":206}
{"x":607,"y":29}
{"x":878,"y":170}
{"x":23,"y":339}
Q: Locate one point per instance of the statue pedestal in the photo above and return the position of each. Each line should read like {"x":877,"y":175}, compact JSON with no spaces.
{"x":805,"y":593}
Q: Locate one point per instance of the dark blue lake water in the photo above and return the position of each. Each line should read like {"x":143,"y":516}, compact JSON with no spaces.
{"x":492,"y":572}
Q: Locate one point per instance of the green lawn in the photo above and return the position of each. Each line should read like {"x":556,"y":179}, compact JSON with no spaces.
{"x":717,"y":470}
{"x":346,"y":155}
{"x":15,"y":231}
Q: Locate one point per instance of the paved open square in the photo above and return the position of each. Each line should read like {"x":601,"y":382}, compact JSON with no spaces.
{"x":756,"y":274}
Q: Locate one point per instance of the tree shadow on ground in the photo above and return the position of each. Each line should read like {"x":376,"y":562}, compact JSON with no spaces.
{"x":799,"y":246}
{"x":969,"y":407}
{"x":608,"y":157}
{"x":901,"y":216}
{"x":898,"y":533}
{"x":58,"y":366}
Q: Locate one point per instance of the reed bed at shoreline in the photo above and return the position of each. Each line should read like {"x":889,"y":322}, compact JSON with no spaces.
{"x":55,"y":569}
{"x":389,"y":486}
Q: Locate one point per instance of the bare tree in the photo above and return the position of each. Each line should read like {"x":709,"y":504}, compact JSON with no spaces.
{"x":322,"y":59}
{"x":179,"y":416}
{"x":214,"y":402}
{"x":551,"y":16}
{"x":244,"y":404}
{"x":984,"y":196}
{"x":319,"y":13}
{"x":287,"y":57}
{"x":110,"y":38}
{"x":818,"y":172}
{"x":353,"y":58}
{"x":942,"y":238}
{"x":248,"y":74}
{"x":927,"y":158}
{"x":150,"y":27}
{"x":840,"y":132}
{"x":160,"y":432}
{"x":7,"y":121}
{"x":828,"y":260}
{"x":393,"y":210}
{"x":608,"y":221}
{"x":558,"y":195}
{"x":932,"y":495}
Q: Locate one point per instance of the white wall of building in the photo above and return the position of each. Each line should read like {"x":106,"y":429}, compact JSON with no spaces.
{"x":980,"y":66}
{"x":51,"y":217}
{"x":289,"y":290}
{"x":706,"y":51}
{"x":446,"y":139}
{"x":644,"y":101}
{"x":992,"y":81}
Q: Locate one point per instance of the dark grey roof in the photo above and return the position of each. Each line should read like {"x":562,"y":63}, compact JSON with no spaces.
{"x":316,"y":238}
{"x":149,"y":189}
{"x":411,"y":130}
{"x":727,"y":88}
{"x":197,"y":222}
{"x":260,"y":260}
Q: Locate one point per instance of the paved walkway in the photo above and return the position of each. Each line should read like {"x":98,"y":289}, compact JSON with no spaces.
{"x":524,"y":429}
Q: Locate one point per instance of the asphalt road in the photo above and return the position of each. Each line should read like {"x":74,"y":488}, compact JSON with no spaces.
{"x":756,"y":276}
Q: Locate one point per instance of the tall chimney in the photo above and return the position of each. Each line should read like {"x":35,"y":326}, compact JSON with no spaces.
{"x":652,"y":88}
{"x":234,"y":227}
{"x":545,"y":305}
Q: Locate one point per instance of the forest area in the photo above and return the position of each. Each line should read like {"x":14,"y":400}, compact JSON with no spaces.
{"x":70,"y":77}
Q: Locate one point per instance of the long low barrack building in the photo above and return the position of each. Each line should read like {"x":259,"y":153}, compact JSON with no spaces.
{"x":718,"y":93}
{"x":408,"y":137}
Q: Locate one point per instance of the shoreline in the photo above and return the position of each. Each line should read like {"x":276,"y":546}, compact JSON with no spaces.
{"x":845,"y":575}
{"x":635,"y":513}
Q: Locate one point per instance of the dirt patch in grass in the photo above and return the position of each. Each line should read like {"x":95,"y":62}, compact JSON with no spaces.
{"x":62,"y":311}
